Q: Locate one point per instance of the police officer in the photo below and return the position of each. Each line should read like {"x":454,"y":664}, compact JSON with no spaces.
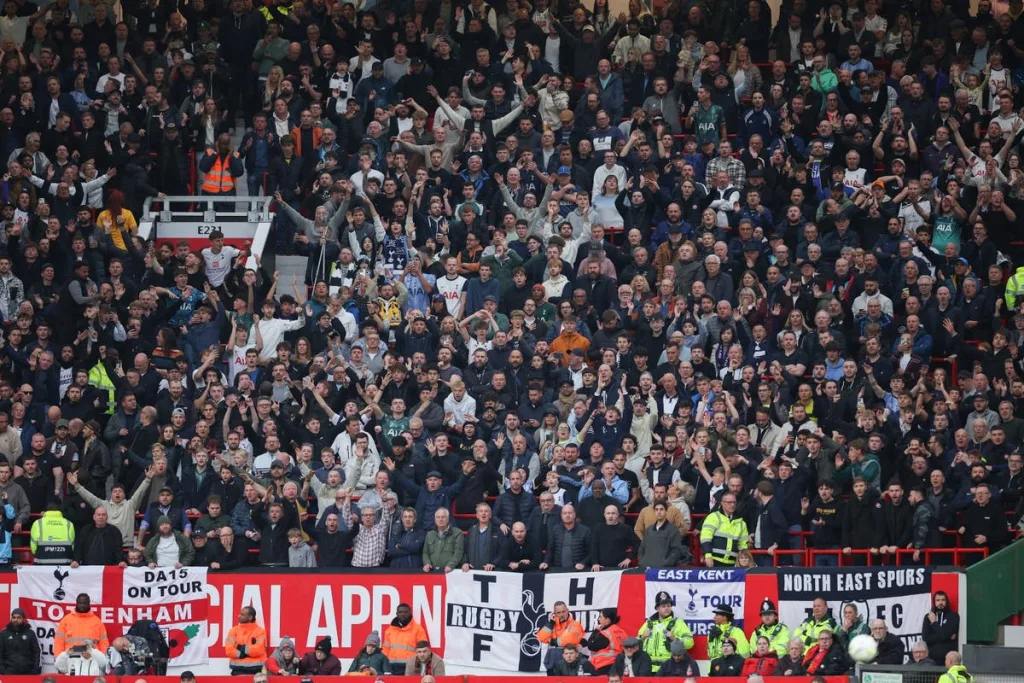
{"x":771,"y":628}
{"x":724,"y":630}
{"x":723,"y":534}
{"x":661,"y":630}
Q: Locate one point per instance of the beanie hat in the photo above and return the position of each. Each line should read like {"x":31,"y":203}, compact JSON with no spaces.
{"x":678,"y":647}
{"x":325,"y":645}
{"x":286,"y":642}
{"x":373,"y":639}
{"x":161,"y":520}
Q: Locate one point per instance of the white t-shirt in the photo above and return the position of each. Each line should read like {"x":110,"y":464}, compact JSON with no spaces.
{"x":167,"y":553}
{"x":219,"y":265}
{"x":911,"y":218}
{"x":101,"y":84}
{"x":451,"y":290}
{"x":238,"y":359}
{"x":261,"y":464}
{"x":997,"y":80}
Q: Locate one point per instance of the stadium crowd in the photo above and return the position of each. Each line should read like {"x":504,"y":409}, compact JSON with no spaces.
{"x":597,"y":290}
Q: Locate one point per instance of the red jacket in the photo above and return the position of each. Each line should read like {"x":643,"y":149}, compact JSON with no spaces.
{"x":762,"y":666}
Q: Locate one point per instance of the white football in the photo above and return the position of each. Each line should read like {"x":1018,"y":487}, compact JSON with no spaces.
{"x":863,"y":649}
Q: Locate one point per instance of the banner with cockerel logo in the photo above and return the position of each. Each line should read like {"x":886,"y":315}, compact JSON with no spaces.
{"x":175,"y":598}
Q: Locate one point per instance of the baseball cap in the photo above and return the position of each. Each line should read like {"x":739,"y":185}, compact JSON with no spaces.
{"x":564,"y":170}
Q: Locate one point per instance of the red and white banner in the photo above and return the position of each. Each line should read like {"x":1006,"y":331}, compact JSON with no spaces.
{"x":176,"y":599}
{"x":345,"y":605}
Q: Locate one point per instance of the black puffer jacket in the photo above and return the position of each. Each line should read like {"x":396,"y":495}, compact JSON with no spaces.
{"x":19,"y":651}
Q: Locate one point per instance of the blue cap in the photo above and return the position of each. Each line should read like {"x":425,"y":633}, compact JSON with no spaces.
{"x":564,"y":170}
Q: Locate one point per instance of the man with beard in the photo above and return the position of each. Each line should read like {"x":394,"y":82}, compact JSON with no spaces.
{"x":19,"y":647}
{"x":896,"y":531}
{"x":941,"y":628}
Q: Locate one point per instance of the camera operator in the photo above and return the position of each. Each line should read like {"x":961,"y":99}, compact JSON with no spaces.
{"x":82,"y":660}
{"x":123,"y":661}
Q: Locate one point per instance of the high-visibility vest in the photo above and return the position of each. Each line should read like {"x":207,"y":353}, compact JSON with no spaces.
{"x":78,"y":628}
{"x":728,"y":632}
{"x":561,"y":633}
{"x":52,"y":538}
{"x":399,"y":644}
{"x":1014,"y":288}
{"x":956,"y":674}
{"x":218,"y":180}
{"x":606,"y":656}
{"x":809,"y":631}
{"x":727,"y":537}
{"x":99,"y":378}
{"x":656,"y":645}
{"x":254,"y":638}
{"x":777,"y":635}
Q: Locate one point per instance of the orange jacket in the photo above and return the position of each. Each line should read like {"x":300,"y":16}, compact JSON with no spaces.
{"x":568,"y":632}
{"x":567,"y":343}
{"x":76,"y":628}
{"x":606,"y":655}
{"x":400,"y":641}
{"x":297,"y":134}
{"x":255,"y":640}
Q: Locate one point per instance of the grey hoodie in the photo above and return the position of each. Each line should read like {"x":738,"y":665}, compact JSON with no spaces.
{"x":301,"y":555}
{"x":18,"y":500}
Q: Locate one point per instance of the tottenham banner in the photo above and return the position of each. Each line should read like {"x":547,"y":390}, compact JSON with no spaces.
{"x":174,"y":598}
{"x":901,"y":596}
{"x":696,"y":593}
{"x":492,"y":618}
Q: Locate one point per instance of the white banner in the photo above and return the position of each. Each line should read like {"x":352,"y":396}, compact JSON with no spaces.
{"x":696,"y":593}
{"x":901,"y":596}
{"x":176,"y":599}
{"x":47,"y":594}
{"x":492,"y":618}
{"x":180,"y":602}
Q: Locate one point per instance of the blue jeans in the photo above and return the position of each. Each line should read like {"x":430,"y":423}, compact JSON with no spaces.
{"x":794,"y":544}
{"x":254,"y":179}
{"x":826,"y":560}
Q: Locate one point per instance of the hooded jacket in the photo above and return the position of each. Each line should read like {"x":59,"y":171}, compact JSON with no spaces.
{"x":278,"y":663}
{"x":942,"y":635}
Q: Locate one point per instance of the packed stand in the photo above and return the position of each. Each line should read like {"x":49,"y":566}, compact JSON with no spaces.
{"x":610,"y":290}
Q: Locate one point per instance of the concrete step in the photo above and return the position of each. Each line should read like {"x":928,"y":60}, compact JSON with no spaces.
{"x":289,"y":266}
